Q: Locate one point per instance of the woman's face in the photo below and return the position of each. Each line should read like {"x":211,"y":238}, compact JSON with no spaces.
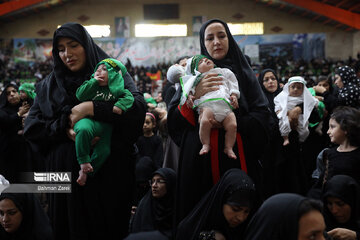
{"x":10,"y":216}
{"x":311,"y":226}
{"x":270,"y":83}
{"x":338,"y":82}
{"x":158,"y":186}
{"x":235,"y":215}
{"x":72,"y":54}
{"x":339,"y":209}
{"x":216,"y":40}
{"x":336,"y":134}
{"x":12,"y":95}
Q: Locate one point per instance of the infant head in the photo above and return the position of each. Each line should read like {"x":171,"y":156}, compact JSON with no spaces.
{"x":201,"y":63}
{"x":296,"y":86}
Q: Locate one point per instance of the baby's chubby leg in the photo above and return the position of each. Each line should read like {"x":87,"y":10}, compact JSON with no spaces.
{"x":205,"y":129}
{"x":230,"y":127}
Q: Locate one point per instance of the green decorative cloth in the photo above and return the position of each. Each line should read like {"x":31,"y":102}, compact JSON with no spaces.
{"x":321,"y":108}
{"x":29,"y":89}
{"x":195,"y":62}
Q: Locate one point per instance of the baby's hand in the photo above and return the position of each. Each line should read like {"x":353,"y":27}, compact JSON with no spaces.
{"x":234,"y":101}
{"x":117,"y":110}
{"x":190,"y":101}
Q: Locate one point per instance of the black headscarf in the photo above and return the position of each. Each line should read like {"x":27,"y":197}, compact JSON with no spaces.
{"x":157,"y":213}
{"x":152,"y":235}
{"x":270,"y":96}
{"x":346,"y":189}
{"x":277,"y":218}
{"x":35,"y":224}
{"x":143,"y":173}
{"x":56,"y":93}
{"x":234,"y":188}
{"x":252,"y":99}
{"x":3,"y":98}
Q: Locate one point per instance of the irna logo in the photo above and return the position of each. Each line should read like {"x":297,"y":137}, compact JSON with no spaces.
{"x":52,"y":177}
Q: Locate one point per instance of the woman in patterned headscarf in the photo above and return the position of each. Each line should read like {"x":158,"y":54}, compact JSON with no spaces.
{"x":349,"y":87}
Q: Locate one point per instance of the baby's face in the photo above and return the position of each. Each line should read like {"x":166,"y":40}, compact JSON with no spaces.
{"x":296,"y":89}
{"x":205,"y":65}
{"x":101,"y":75}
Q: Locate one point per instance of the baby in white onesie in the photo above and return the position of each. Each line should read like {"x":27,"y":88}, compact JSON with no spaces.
{"x":216,"y":105}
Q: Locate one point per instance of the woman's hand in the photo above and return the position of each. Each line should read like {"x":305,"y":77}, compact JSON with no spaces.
{"x":80,"y":111}
{"x":319,"y":89}
{"x":209,"y":83}
{"x":234,"y":101}
{"x":342,"y":234}
{"x":23,"y":109}
{"x":117,"y":110}
{"x":293,"y":116}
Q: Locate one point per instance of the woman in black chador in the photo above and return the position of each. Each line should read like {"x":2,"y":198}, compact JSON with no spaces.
{"x":14,"y":157}
{"x":225,"y":210}
{"x":198,"y":173}
{"x":341,"y":199}
{"x":22,"y":217}
{"x":156,"y":208}
{"x":102,"y":207}
{"x":287,"y":216}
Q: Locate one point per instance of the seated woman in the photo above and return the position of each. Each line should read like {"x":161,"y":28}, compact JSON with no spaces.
{"x":287,"y":216}
{"x":22,"y":217}
{"x":341,"y":198}
{"x":155,"y":210}
{"x":224,"y":211}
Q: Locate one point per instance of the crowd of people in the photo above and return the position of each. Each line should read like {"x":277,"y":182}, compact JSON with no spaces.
{"x":164,"y":166}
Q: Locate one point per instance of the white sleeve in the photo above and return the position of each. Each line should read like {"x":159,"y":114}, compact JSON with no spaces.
{"x":231,"y":82}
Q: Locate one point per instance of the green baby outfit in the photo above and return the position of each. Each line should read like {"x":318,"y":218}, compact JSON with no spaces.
{"x":86,"y":129}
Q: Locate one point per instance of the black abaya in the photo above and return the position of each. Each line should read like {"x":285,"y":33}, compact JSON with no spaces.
{"x":208,"y":213}
{"x":102,"y":207}
{"x":35,"y":224}
{"x":198,"y":173}
{"x":277,"y":218}
{"x":14,"y":157}
{"x":347,"y":190}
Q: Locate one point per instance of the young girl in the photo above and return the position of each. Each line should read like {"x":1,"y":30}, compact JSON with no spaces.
{"x":344,"y":130}
{"x":294,"y":94}
{"x":150,"y":145}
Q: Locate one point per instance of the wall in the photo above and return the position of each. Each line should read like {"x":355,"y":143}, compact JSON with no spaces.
{"x":339,"y":43}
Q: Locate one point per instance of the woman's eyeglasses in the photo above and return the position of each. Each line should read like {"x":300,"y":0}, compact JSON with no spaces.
{"x":156,"y":181}
{"x":268,"y":79}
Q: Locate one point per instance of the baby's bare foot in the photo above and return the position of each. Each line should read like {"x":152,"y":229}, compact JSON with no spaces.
{"x":230,"y":153}
{"x":286,"y":142}
{"x":82,"y":178}
{"x":205,"y":149}
{"x":86,"y":167}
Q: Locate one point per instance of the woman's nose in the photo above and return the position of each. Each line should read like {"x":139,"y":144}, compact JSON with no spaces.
{"x":241,"y":217}
{"x":68,"y":52}
{"x":6,"y":218}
